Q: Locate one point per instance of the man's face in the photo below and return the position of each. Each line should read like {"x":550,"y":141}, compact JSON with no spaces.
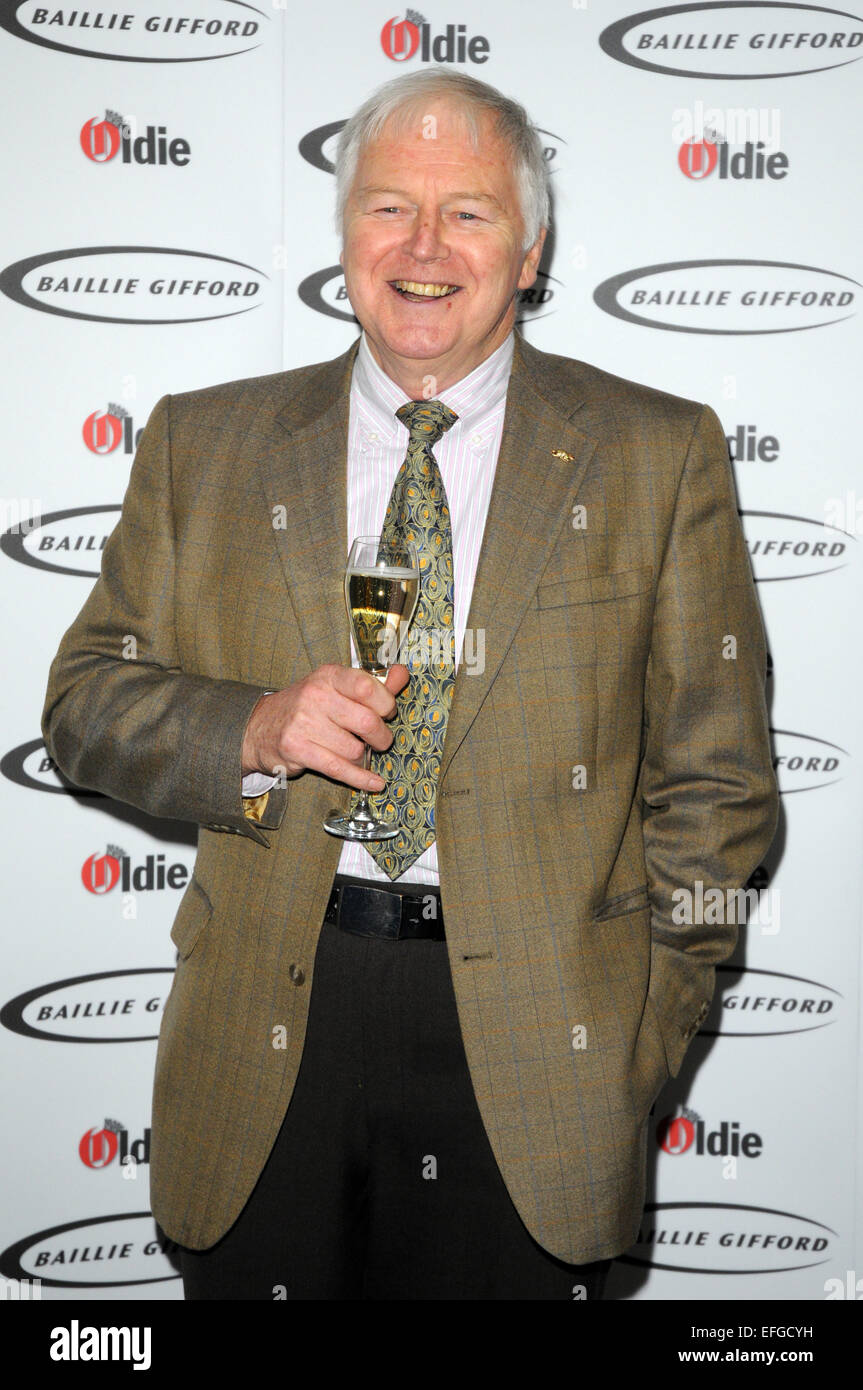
{"x":437,"y":213}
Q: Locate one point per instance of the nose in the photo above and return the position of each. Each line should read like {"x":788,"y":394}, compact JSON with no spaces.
{"x":426,"y":241}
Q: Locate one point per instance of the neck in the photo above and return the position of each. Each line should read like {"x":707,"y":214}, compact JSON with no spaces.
{"x":414,"y":376}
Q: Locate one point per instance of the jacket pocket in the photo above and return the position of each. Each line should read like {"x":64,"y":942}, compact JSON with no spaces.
{"x":599,"y":588}
{"x":632,"y":901}
{"x":193,"y":914}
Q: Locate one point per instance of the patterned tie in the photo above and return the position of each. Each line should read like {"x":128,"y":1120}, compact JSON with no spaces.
{"x":418,"y":511}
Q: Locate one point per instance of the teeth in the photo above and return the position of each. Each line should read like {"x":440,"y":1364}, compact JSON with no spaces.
{"x":430,"y":291}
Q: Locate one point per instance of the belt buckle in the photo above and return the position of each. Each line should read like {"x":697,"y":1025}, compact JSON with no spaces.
{"x":370,"y":912}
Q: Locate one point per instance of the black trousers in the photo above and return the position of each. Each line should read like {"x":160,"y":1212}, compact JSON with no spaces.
{"x":382,"y":1183}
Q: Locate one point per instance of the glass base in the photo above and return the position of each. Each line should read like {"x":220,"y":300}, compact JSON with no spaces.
{"x":358,"y":827}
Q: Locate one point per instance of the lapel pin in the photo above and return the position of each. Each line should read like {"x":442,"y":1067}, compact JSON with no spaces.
{"x":562,"y":455}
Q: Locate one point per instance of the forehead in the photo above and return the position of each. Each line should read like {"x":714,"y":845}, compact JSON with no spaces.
{"x":436,"y":143}
{"x":438,"y":133}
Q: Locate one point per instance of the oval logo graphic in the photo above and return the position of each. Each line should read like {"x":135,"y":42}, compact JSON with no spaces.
{"x":729,"y":296}
{"x":146,"y":33}
{"x":738,"y":41}
{"x":134,"y":284}
{"x":793,"y":547}
{"x":55,"y":540}
{"x":318,"y":147}
{"x":753,"y":1003}
{"x":325,"y":291}
{"x":112,"y":1006}
{"x":102,"y":1252}
{"x":803,"y":763}
{"x":723,"y":1238}
{"x":30,"y":765}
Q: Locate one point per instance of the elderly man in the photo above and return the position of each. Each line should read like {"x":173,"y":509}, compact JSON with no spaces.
{"x":422,"y":1066}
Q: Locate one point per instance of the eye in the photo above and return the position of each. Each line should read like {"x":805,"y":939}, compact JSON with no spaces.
{"x":471,"y":215}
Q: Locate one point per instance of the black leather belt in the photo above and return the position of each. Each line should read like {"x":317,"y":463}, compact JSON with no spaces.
{"x":369,"y":909}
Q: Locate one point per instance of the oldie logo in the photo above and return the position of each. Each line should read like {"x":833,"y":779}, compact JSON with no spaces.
{"x":101,"y":872}
{"x":99,"y":1146}
{"x":103,"y":139}
{"x":402,"y":39}
{"x":104,"y":431}
{"x":740,"y":40}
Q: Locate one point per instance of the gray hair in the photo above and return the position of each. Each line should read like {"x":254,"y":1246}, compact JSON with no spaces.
{"x":403,"y":97}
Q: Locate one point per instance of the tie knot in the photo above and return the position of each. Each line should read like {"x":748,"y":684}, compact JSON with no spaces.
{"x":426,"y":420}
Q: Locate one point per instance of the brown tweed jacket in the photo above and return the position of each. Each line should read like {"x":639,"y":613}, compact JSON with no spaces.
{"x":613,"y":749}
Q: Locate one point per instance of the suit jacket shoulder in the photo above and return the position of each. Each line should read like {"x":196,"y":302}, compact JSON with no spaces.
{"x":300,"y":392}
{"x":602,"y":398}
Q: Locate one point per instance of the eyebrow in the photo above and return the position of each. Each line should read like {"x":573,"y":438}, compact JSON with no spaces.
{"x":458,"y":193}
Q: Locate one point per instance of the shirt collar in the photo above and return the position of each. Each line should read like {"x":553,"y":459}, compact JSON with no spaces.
{"x":473,"y":398}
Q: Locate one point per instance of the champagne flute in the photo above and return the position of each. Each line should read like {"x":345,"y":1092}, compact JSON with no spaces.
{"x":382,"y":585}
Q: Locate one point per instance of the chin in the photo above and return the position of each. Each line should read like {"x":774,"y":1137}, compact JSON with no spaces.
{"x":419,"y":342}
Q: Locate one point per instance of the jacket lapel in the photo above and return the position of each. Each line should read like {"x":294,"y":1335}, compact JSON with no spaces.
{"x":306,"y":475}
{"x":532,"y":498}
{"x":535,"y":489}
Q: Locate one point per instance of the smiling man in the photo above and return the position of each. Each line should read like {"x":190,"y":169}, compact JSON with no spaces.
{"x":422,"y":1067}
{"x":434,"y":240}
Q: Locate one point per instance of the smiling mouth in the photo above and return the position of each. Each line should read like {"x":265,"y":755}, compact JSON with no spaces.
{"x":416,"y":290}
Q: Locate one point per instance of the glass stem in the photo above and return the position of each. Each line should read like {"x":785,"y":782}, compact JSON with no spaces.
{"x":362,"y":810}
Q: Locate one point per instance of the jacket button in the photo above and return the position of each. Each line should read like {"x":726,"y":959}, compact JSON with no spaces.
{"x":296,"y":975}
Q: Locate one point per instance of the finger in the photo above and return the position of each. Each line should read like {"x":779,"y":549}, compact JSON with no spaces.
{"x":365,"y":689}
{"x":397,"y":678}
{"x":360,"y":720}
{"x":328,"y":734}
{"x":320,"y":759}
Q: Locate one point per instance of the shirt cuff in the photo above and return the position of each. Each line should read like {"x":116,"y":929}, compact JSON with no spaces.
{"x":256,"y":783}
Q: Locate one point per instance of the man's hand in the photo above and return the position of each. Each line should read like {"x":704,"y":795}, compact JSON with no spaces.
{"x":320,"y":724}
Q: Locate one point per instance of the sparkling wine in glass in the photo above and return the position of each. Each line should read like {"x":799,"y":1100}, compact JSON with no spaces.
{"x":382,"y":584}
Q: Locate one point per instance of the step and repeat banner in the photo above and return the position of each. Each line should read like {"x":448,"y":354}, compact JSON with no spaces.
{"x":169,"y":225}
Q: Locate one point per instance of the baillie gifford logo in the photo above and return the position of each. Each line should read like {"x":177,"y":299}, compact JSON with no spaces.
{"x":102,"y":140}
{"x":325,"y":291}
{"x":729,"y":296}
{"x":402,"y":39}
{"x":141,"y":33}
{"x":134,"y":284}
{"x":736,"y":40}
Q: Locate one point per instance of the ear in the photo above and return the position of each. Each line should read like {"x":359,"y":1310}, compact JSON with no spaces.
{"x":531,"y":261}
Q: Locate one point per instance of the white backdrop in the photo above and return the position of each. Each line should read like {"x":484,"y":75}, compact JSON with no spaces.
{"x":169,"y":225}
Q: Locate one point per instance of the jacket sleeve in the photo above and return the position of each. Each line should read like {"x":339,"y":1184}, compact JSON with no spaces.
{"x":120,"y":715}
{"x":710,"y":802}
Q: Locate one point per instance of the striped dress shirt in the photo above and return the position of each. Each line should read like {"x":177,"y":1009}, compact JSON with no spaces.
{"x":467,"y":456}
